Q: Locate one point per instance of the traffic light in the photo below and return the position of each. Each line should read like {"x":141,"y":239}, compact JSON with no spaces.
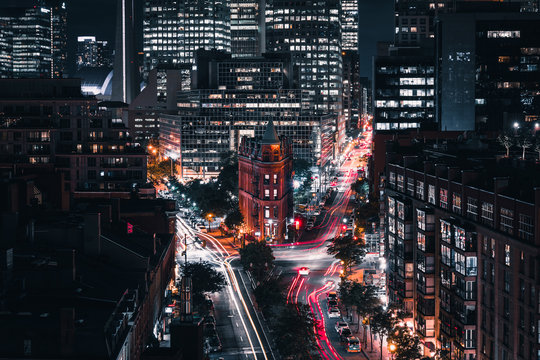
{"x":344,"y":227}
{"x":297,"y":224}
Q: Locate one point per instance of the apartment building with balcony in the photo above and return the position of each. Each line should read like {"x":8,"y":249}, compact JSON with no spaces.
{"x":462,"y":241}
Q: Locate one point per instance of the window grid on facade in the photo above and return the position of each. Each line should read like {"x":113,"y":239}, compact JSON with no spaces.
{"x":507,"y":220}
{"x":420,"y":189}
{"x":443,"y":198}
{"x":526,"y":227}
{"x":487,"y":213}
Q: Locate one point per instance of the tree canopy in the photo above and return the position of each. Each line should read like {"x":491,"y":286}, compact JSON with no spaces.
{"x":295,"y":334}
{"x":257,"y":257}
{"x":204,"y":277}
{"x":347,"y":249}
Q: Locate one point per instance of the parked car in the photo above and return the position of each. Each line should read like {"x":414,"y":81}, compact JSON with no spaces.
{"x":333,"y":312}
{"x":345,"y":333}
{"x":353,"y":344}
{"x":341,"y":324}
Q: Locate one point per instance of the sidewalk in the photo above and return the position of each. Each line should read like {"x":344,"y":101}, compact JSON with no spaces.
{"x":376,"y":353}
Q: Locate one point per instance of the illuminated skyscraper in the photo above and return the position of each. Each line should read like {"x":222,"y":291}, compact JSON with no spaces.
{"x":311,"y":32}
{"x":349,"y":25}
{"x":160,"y":34}
{"x":174,"y":29}
{"x":93,"y":53}
{"x":203,"y":24}
{"x":59,"y":37}
{"x":247,"y":28}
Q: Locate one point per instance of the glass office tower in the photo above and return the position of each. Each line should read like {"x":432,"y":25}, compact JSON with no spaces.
{"x":311,"y":32}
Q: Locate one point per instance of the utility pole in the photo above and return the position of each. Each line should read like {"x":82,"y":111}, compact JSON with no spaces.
{"x":185,"y":251}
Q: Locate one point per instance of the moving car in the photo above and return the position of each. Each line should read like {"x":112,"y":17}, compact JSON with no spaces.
{"x":341,"y":324}
{"x":333,"y":312}
{"x":332,"y":303}
{"x":353,"y":344}
{"x":332,"y":295}
{"x":303,"y":271}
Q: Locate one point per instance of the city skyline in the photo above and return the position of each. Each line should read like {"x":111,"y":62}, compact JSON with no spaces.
{"x":270,"y":180}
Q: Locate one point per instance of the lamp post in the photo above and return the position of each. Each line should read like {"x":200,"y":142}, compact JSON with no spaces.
{"x":209,"y":216}
{"x":392,"y":349}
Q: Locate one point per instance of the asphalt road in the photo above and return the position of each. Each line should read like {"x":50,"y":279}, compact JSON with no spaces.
{"x":242,"y":332}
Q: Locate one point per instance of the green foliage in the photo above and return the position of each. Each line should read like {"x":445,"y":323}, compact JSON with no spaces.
{"x":234,"y":218}
{"x":257,"y":257}
{"x":348,"y":250}
{"x":228,"y":177}
{"x":209,"y":198}
{"x":302,"y":174}
{"x":408,"y":345}
{"x":382,"y":323}
{"x":295,"y":333}
{"x":204,"y":277}
{"x":363,"y":297}
{"x":269,"y":294}
{"x":158,"y":170}
{"x":301,"y":168}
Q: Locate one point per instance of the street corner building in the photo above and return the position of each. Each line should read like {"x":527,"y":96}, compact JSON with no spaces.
{"x":265,"y":184}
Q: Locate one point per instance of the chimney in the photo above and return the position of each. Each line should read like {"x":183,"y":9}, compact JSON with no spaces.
{"x":92,"y":234}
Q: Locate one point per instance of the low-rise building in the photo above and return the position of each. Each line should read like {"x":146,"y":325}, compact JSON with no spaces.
{"x":265,"y":184}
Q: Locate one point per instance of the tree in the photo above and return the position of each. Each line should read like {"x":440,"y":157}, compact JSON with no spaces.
{"x":159,"y":170}
{"x":507,"y":141}
{"x":257,"y":257}
{"x":524,"y":141}
{"x":295,"y":333}
{"x":382,"y":323}
{"x":347,"y":249}
{"x":234,"y":218}
{"x":228,"y":177}
{"x":366,"y":301}
{"x":204,"y":278}
{"x":301,"y":168}
{"x":269,"y":294}
{"x":407,"y":344}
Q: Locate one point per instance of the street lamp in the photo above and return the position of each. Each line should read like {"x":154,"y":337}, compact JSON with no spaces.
{"x":392,"y":349}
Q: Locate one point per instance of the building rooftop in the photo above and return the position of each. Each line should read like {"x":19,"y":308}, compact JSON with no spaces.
{"x":270,"y":136}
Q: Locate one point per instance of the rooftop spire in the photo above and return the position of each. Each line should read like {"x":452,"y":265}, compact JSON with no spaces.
{"x":270,"y":136}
